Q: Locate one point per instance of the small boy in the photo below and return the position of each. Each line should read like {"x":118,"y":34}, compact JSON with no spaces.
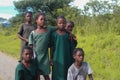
{"x":79,"y":69}
{"x":25,"y":30}
{"x":27,"y":68}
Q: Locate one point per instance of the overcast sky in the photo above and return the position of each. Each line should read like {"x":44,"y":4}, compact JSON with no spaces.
{"x":7,"y":9}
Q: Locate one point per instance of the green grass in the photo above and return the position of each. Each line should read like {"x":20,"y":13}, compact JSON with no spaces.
{"x":102,"y":51}
{"x":10,"y":45}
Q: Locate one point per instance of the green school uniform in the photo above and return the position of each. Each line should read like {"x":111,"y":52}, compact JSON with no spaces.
{"x":61,"y":56}
{"x":41,"y":44}
{"x":23,"y":73}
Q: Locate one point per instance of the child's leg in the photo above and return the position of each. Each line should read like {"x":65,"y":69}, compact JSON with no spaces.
{"x":46,"y":77}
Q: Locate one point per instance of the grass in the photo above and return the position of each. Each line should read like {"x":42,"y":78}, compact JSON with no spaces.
{"x":10,"y":45}
{"x":102,"y":51}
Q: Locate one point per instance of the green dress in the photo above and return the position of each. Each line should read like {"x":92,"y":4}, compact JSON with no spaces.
{"x":23,"y":73}
{"x":41,"y":44}
{"x":62,"y":58}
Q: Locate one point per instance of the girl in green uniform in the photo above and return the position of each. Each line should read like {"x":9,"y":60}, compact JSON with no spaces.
{"x":60,"y":52}
{"x":73,"y":41}
{"x":27,"y":68}
{"x":39,"y":39}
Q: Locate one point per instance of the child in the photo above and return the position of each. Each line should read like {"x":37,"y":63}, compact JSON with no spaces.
{"x":25,"y":29}
{"x":79,"y":69}
{"x":39,"y":39}
{"x":60,"y":52}
{"x":27,"y":68}
{"x":73,"y":41}
{"x":69,"y":27}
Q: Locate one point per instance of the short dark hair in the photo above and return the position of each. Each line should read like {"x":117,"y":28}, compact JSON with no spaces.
{"x":71,"y":23}
{"x":78,"y":49}
{"x":28,"y":12}
{"x":61,"y":17}
{"x":39,"y":14}
{"x":28,"y":48}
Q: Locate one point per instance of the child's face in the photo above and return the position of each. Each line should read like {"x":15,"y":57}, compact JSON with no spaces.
{"x":27,"y":55}
{"x":28,"y":17}
{"x":41,"y":20}
{"x":69,"y":27}
{"x":79,"y":57}
{"x":61,"y":23}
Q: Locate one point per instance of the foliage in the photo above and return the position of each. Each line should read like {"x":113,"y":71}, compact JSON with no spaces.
{"x":9,"y":42}
{"x":102,"y":52}
{"x":46,"y":6}
{"x":10,"y":45}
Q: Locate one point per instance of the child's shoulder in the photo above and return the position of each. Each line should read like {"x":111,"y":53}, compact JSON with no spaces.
{"x":19,"y":66}
{"x":71,"y":67}
{"x":85,"y":64}
{"x":52,"y":28}
{"x":22,"y":24}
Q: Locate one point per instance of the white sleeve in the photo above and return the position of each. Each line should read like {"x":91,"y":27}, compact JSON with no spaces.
{"x":89,"y":69}
{"x":69,"y":75}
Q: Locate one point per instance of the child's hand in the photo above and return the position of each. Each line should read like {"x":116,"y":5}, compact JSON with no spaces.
{"x":72,"y":36}
{"x":26,"y":40}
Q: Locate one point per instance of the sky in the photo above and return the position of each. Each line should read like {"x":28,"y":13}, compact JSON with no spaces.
{"x":7,"y":9}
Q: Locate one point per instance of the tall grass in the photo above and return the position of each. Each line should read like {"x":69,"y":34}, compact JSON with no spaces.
{"x":9,"y":42}
{"x":103,"y":53}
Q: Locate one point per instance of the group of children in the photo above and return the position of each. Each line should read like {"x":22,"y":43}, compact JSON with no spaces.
{"x":66,"y":60}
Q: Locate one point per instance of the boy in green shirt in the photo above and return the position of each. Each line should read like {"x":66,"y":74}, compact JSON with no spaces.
{"x":27,"y":68}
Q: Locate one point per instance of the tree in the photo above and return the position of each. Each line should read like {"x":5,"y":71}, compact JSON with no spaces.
{"x":47,"y":6}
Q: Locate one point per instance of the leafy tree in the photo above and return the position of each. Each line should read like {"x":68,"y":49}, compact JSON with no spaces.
{"x":47,"y":6}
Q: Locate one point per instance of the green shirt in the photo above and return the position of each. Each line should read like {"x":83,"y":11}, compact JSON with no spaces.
{"x":23,"y":73}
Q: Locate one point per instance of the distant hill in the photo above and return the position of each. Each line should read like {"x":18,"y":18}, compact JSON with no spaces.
{"x":2,"y":19}
{"x":4,"y":22}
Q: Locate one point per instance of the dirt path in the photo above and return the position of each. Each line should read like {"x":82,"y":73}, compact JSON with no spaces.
{"x":7,"y":67}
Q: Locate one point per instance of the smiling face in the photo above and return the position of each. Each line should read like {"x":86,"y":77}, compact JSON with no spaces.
{"x":69,"y":27}
{"x":61,"y":22}
{"x":40,"y":20}
{"x":27,"y":55}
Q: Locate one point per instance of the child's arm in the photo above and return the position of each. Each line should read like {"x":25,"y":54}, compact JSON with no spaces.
{"x":51,"y":48}
{"x":89,"y":72}
{"x":20,"y":33}
{"x":22,"y":38}
{"x":51,"y":56}
{"x":90,"y":77}
{"x":31,"y":40}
